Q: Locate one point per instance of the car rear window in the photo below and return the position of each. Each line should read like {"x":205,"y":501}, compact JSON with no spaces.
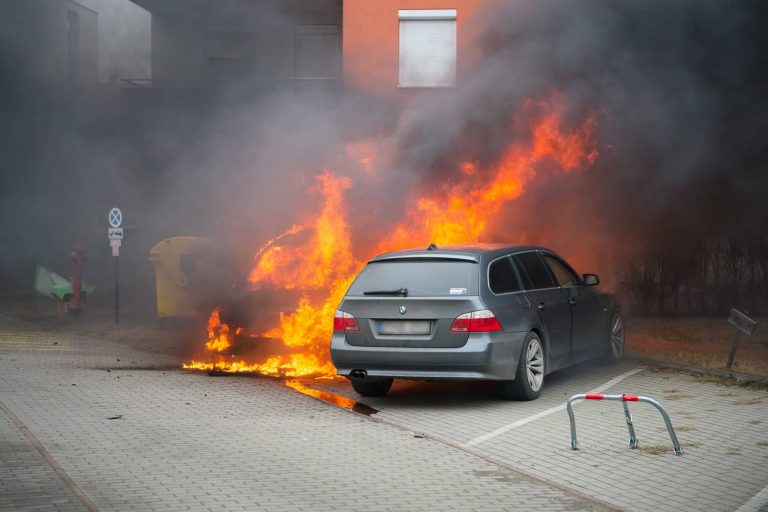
{"x":422,"y":278}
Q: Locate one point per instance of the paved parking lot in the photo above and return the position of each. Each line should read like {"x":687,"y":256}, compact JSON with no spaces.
{"x":723,"y":431}
{"x":187,"y":441}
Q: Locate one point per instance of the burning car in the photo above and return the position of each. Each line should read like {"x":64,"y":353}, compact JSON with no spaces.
{"x":511,"y":314}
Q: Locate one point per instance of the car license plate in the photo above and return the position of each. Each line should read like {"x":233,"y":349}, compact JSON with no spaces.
{"x":404,"y":327}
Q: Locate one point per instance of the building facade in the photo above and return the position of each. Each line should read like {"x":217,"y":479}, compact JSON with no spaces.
{"x":207,"y":42}
{"x":50,"y":42}
{"x":375,"y":46}
{"x":407,"y":44}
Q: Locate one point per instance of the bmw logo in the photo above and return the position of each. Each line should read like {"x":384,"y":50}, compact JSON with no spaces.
{"x":402,"y":310}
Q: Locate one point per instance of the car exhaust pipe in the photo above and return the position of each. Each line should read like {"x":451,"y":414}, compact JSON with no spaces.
{"x":358,"y":374}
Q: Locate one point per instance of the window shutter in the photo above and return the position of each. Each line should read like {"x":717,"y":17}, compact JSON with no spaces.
{"x":428,"y":48}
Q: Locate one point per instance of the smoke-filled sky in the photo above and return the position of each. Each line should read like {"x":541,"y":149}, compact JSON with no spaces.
{"x":677,"y":88}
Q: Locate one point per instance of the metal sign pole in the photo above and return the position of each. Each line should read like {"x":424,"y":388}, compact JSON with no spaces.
{"x":115,"y":235}
{"x":117,"y":290}
{"x":734,"y":347}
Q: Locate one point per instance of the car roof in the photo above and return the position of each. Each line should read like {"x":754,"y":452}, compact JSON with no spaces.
{"x":474,"y":252}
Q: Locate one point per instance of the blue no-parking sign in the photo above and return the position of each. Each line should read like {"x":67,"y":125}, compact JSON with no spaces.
{"x":115,"y":217}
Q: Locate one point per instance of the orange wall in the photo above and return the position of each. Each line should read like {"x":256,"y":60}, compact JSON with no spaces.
{"x":371,"y":32}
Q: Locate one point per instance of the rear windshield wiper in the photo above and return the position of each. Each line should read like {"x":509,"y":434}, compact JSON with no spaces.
{"x":403,"y":292}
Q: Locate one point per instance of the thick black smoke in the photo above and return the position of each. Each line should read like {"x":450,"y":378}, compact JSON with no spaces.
{"x":226,"y":159}
{"x":680,"y":91}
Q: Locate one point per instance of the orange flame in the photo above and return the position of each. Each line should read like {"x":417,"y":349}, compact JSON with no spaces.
{"x":460,"y":212}
{"x":325,"y":257}
{"x":269,"y":243}
{"x":218,"y":333}
{"x":325,"y":261}
{"x":457,"y":212}
{"x":295,"y":365}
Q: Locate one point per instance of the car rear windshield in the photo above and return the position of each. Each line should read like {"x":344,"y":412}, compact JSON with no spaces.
{"x":421,"y":278}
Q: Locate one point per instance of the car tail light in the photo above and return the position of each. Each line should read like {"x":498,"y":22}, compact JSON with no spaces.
{"x":343,"y":321}
{"x":476,"y":321}
{"x":462,"y":323}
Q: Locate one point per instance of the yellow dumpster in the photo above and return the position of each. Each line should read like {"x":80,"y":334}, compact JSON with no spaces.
{"x":179,"y":264}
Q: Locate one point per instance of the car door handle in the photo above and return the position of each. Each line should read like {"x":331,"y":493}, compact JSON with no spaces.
{"x":542,"y":307}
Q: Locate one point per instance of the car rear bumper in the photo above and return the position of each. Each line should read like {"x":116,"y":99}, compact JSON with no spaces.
{"x":492,"y":356}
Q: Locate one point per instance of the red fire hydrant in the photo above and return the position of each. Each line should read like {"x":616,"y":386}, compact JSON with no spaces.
{"x":77,"y":255}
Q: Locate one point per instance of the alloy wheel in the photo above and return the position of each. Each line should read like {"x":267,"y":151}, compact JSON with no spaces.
{"x":617,"y":337}
{"x":534,"y":365}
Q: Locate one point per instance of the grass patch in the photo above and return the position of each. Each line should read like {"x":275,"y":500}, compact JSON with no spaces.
{"x":678,"y":428}
{"x":660,"y":449}
{"x":757,"y":386}
{"x":733,"y":451}
{"x":729,"y":381}
{"x":697,"y":341}
{"x":676,"y":396}
{"x":749,"y":401}
{"x":762,"y":443}
{"x":754,"y":422}
{"x":655,"y":449}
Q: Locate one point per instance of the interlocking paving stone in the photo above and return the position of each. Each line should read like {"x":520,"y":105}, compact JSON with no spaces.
{"x":27,"y":482}
{"x":187,"y":441}
{"x":718,"y":426}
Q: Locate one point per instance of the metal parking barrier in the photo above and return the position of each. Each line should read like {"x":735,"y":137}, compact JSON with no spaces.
{"x":633,"y":441}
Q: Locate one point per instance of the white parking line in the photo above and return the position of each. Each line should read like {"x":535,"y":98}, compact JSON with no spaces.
{"x":757,"y":502}
{"x":534,"y":417}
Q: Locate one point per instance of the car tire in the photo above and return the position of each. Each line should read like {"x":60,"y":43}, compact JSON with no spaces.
{"x":377,"y":387}
{"x":531,"y":369}
{"x":616,"y":339}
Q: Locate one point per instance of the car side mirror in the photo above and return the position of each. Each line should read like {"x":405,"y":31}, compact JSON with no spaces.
{"x":591,"y":280}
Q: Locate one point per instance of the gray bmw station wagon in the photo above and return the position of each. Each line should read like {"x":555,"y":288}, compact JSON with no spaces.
{"x":507,"y":313}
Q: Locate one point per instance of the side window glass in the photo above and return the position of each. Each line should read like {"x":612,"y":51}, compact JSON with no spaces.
{"x":563,"y":274}
{"x":527,"y":284}
{"x":537,"y":272}
{"x":502,"y":277}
